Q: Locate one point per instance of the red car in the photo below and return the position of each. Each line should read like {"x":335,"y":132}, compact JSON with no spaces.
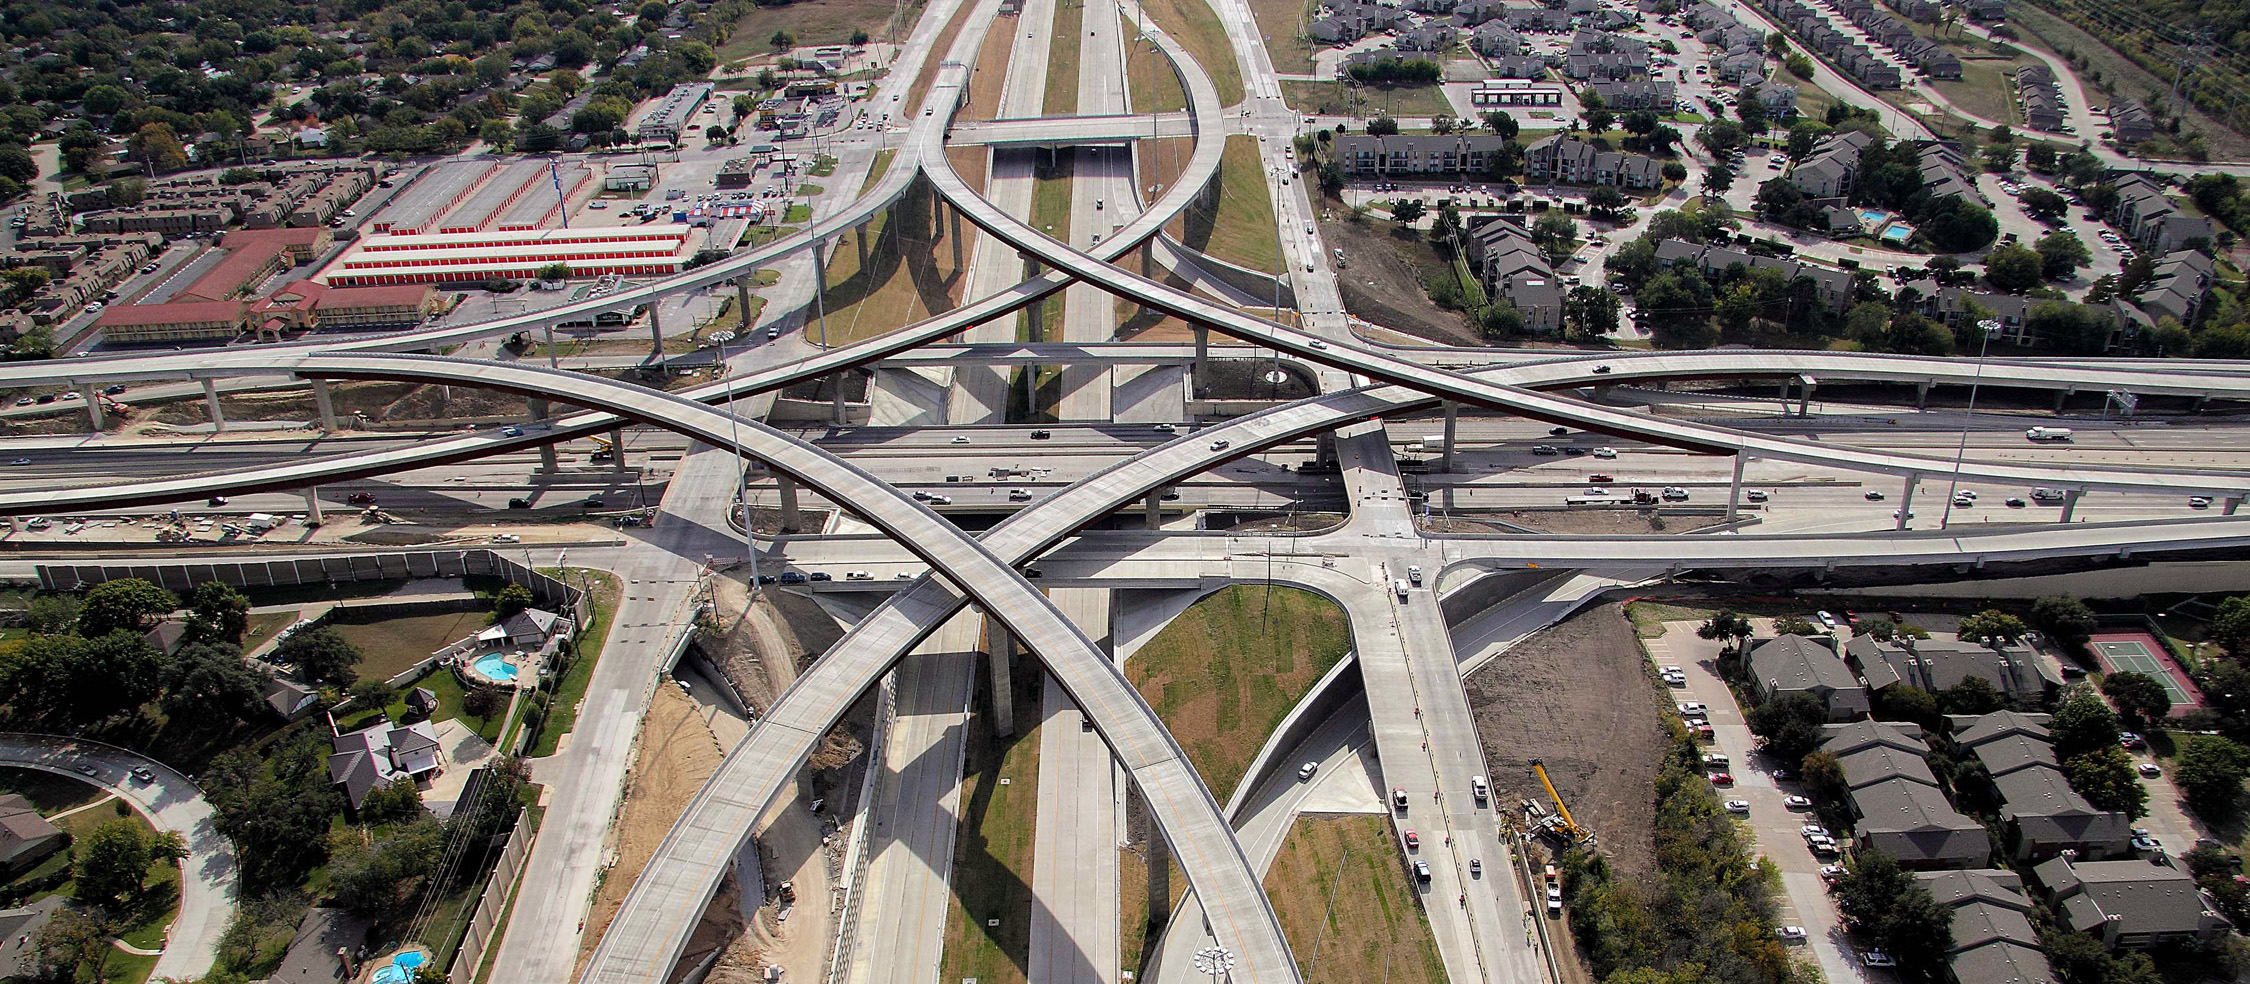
{"x":360,"y":497}
{"x":1600,"y":477}
{"x":1413,"y":843}
{"x":1722,"y":778}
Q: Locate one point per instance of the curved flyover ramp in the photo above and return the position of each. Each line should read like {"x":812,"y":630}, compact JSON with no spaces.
{"x":649,"y":933}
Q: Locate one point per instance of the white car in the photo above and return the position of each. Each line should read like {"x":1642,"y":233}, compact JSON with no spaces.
{"x":959,"y":439}
{"x":1605,"y":452}
{"x":1791,"y":933}
{"x":1689,"y":708}
{"x":1221,"y":445}
{"x":1797,"y":802}
{"x":1969,"y":494}
{"x":1165,"y":428}
{"x":1306,"y":771}
{"x":858,"y":576}
{"x":1738,"y":806}
{"x":1826,"y":620}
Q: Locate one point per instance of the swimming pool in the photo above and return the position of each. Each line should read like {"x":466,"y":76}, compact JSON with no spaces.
{"x":495,"y":667}
{"x":1874,"y":217}
{"x":1898,"y":233}
{"x":401,"y":968}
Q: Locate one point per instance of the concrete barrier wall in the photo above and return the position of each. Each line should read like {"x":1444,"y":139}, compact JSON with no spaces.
{"x":1337,"y":687}
{"x":1251,"y":282}
{"x":1464,"y":602}
{"x":183,"y":575}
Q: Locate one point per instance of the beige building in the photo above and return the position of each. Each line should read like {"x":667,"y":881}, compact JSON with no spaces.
{"x":182,"y":321}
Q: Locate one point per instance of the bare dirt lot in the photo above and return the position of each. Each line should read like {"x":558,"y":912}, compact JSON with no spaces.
{"x":1626,"y":522}
{"x":1578,"y":695}
{"x":1382,"y":285}
{"x":677,"y":753}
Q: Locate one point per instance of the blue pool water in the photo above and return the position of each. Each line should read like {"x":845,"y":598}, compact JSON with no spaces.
{"x":493,"y":666}
{"x":1898,"y":233}
{"x":1874,"y":216}
{"x":401,"y":969}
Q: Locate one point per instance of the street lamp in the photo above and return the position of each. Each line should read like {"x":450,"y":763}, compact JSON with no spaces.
{"x":1987,"y":328}
{"x":741,"y":475}
{"x":1217,"y":961}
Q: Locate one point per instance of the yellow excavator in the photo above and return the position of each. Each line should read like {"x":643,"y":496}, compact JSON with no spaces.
{"x":1560,"y":823}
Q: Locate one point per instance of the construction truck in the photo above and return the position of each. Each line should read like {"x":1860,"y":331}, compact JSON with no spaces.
{"x":604,"y":449}
{"x":1558,"y":824}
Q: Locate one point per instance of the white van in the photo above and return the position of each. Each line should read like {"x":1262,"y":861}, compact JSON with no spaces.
{"x":1398,"y":584}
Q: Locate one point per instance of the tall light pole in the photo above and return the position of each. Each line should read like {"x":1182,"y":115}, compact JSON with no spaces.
{"x":1987,"y":328}
{"x":741,"y":474}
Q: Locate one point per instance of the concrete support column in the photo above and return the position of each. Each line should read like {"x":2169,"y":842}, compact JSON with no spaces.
{"x":1601,"y":393}
{"x":1922,"y":395}
{"x":2070,"y":502}
{"x":859,"y":238}
{"x":836,"y":397}
{"x":1202,"y":347}
{"x":2200,"y":400}
{"x":1002,"y":650}
{"x":1152,"y":509}
{"x":1159,"y":878}
{"x":552,"y":361}
{"x":788,"y":490}
{"x":1804,"y":396}
{"x":326,"y":402}
{"x":617,"y":449}
{"x":2059,"y":398}
{"x":312,"y":506}
{"x":1734,"y":489}
{"x":1036,"y":314}
{"x":548,"y":465}
{"x":655,"y":330}
{"x":1452,"y":419}
{"x":93,"y":403}
{"x":1906,"y":500}
{"x":1148,"y":257}
{"x":820,"y":293}
{"x":742,"y":308}
{"x":2233,"y":502}
{"x":211,"y":403}
{"x":1324,"y":448}
{"x":956,"y":236}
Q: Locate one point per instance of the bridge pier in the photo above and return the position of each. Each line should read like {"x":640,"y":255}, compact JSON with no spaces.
{"x":312,"y":507}
{"x":2200,"y":400}
{"x":820,"y":292}
{"x":93,"y":403}
{"x":2070,"y":502}
{"x":1036,"y":314}
{"x":211,"y":403}
{"x":955,"y":235}
{"x":1152,"y":509}
{"x":547,"y":462}
{"x":836,"y":398}
{"x":549,"y":330}
{"x":617,"y":449}
{"x":1324,"y":448}
{"x":1734,"y":489}
{"x":1452,"y":419}
{"x":1202,"y":347}
{"x":2233,"y":502}
{"x":788,"y":490}
{"x":1806,"y":385}
{"x":741,"y":312}
{"x":1906,"y":500}
{"x":2060,"y":397}
{"x":1922,"y":395}
{"x":326,"y":402}
{"x":1601,"y":393}
{"x":1000,"y":652}
{"x":859,"y":238}
{"x":656,"y":330}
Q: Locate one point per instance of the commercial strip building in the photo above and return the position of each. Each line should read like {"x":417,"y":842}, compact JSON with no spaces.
{"x":632,"y":251}
{"x":673,"y":114}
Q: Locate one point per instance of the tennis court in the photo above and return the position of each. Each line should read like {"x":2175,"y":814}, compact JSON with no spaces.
{"x":2139,"y":652}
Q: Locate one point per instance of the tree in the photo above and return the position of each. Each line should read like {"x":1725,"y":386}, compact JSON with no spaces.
{"x":557,"y":270}
{"x":2014,"y":268}
{"x":391,"y":802}
{"x":1974,"y":695}
{"x":25,"y":281}
{"x":1720,"y":136}
{"x":1501,"y":123}
{"x":782,"y":40}
{"x":1605,"y":201}
{"x":1501,"y":320}
{"x":2061,"y":253}
{"x":715,"y":133}
{"x":2209,"y":772}
{"x":104,"y":100}
{"x":159,"y":146}
{"x":2039,"y":203}
{"x":1598,"y":121}
{"x":512,"y":599}
{"x":2105,"y":777}
{"x":1799,"y":65}
{"x":1382,"y":126}
{"x":1592,"y":311}
{"x":1885,"y":903}
{"x":207,"y":677}
{"x":1991,"y":628}
{"x":1905,"y":702}
{"x":125,"y":603}
{"x":1777,"y":44}
{"x":2039,"y":157}
{"x":377,"y":879}
{"x":1407,"y":211}
{"x":217,"y":612}
{"x":16,"y":164}
{"x":51,"y":614}
{"x":1725,"y":626}
{"x":1555,"y":234}
{"x":1674,"y":171}
{"x":2140,"y":699}
{"x":859,"y":37}
{"x":2230,"y":626}
{"x":1823,"y":777}
{"x":1790,"y":725}
{"x":321,"y":655}
{"x":1442,"y":123}
{"x":112,"y":863}
{"x":2082,"y":722}
{"x":1795,"y":625}
{"x":70,"y":944}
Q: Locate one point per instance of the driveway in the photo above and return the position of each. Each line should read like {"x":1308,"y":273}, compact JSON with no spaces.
{"x":207,"y":874}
